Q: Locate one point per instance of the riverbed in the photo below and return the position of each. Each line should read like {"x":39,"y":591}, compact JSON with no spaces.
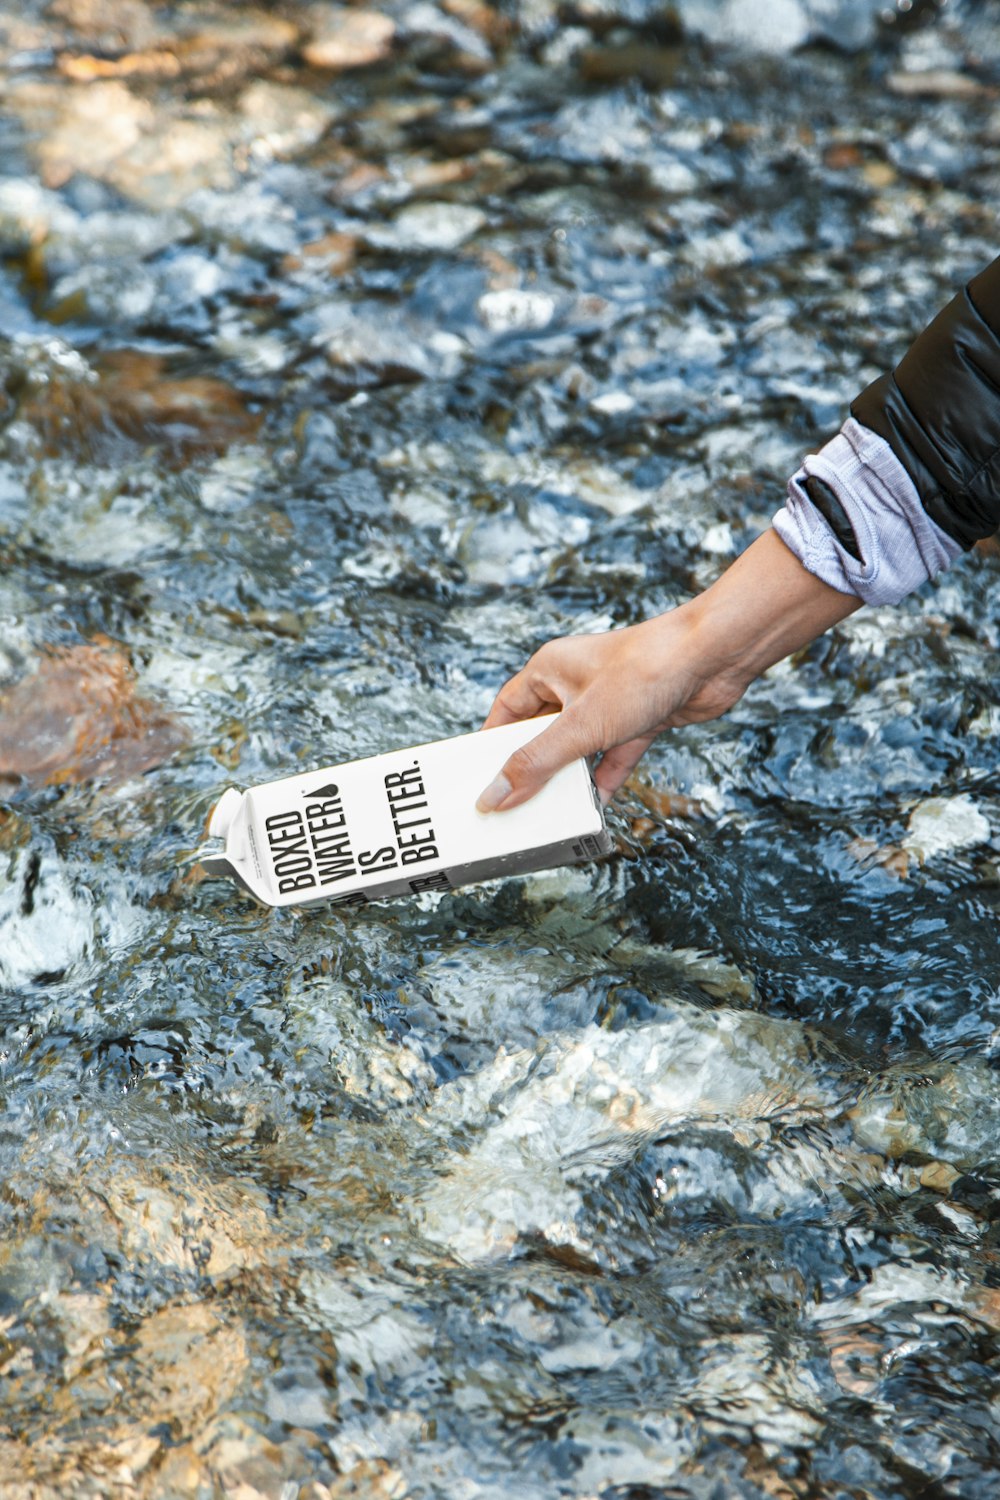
{"x":345,"y":357}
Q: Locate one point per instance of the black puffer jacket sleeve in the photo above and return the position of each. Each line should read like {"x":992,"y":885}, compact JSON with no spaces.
{"x":939,"y":411}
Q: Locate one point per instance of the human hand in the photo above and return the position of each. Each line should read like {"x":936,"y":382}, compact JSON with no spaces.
{"x":620,"y":689}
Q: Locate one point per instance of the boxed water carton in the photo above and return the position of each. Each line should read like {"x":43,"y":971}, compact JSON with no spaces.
{"x":403,"y":822}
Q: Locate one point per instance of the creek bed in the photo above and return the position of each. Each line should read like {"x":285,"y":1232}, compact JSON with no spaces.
{"x":333,"y":382}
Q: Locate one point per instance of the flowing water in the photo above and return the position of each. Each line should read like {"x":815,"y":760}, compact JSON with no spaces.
{"x":346,"y":357}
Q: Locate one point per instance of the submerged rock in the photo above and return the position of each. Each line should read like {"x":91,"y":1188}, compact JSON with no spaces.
{"x":78,"y":717}
{"x":585,"y":1102}
{"x":935,"y":83}
{"x":429,"y":226}
{"x":158,"y":152}
{"x":109,"y":24}
{"x":80,"y":130}
{"x":510,"y":310}
{"x":47,"y":924}
{"x":345,"y":39}
{"x":366,"y":349}
{"x":782,"y":25}
{"x":942,"y":825}
{"x":130,"y":394}
{"x":212,"y":45}
{"x":182,"y":1364}
{"x":459,"y":47}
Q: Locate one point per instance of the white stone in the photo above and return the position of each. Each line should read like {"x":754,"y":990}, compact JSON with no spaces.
{"x":941,"y":825}
{"x":613,"y":403}
{"x":429,"y":226}
{"x":514,"y":309}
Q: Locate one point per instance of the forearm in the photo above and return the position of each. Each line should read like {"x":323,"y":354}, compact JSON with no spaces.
{"x":765,"y":606}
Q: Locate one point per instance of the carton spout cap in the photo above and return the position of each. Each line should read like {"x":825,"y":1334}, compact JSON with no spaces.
{"x":224,"y":812}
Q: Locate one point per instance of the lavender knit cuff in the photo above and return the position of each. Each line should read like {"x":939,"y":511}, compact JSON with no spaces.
{"x":900,"y":545}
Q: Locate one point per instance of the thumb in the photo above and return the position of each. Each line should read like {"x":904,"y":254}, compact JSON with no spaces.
{"x":618,"y":764}
{"x":529,"y":768}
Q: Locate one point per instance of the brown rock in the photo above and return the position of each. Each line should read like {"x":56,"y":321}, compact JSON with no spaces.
{"x":284,"y":119}
{"x":83,"y":68}
{"x":77,"y":717}
{"x":177,"y":1221}
{"x":879,"y":174}
{"x":189,"y":1363}
{"x":892,"y":859}
{"x":654,"y":66}
{"x":938,"y":1176}
{"x":239,"y":29}
{"x":105,"y":131}
{"x":335,"y":254}
{"x":85,"y":1322}
{"x":936,"y":83}
{"x":491,"y":26}
{"x":214,"y":48}
{"x":842,"y":156}
{"x":84,"y":129}
{"x":359,"y":179}
{"x":344,"y":39}
{"x":502,"y":273}
{"x":371,"y":1479}
{"x":226,"y":45}
{"x":662,"y":803}
{"x":111,"y":25}
{"x":134,"y":397}
{"x":437,"y":174}
{"x":855,"y":1358}
{"x":164,"y":166}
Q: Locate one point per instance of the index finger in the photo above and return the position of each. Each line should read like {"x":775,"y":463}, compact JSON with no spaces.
{"x":518,"y":700}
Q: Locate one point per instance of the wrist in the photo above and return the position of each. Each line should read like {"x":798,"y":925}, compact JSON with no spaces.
{"x":764,"y":606}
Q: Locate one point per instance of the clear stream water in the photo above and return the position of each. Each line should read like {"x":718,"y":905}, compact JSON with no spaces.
{"x":326,"y":394}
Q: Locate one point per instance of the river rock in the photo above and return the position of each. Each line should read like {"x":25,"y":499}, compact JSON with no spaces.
{"x":283,"y":119}
{"x":777,"y":28}
{"x":943,"y":825}
{"x":153,"y":62}
{"x":159,"y":156}
{"x":133,"y":394}
{"x":344,"y":39}
{"x":935,"y":83}
{"x":368,"y":349}
{"x":103,"y":130}
{"x":47,"y":923}
{"x":511,"y":310}
{"x":84,"y":129}
{"x":429,"y":226}
{"x":333,"y":253}
{"x":781,"y":26}
{"x":214,"y":47}
{"x":493,"y":27}
{"x":78,"y":717}
{"x":582,"y":1102}
{"x":458,"y":46}
{"x":236,"y":30}
{"x":186,"y":1224}
{"x":166,"y":165}
{"x":30,"y":213}
{"x":109,"y":25}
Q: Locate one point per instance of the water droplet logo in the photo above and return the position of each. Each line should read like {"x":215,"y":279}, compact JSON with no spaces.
{"x":330,"y":790}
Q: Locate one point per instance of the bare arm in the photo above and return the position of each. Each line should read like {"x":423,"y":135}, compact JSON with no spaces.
{"x":620,"y":689}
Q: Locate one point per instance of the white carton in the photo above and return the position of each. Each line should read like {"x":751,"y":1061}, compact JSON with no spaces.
{"x":402,"y":822}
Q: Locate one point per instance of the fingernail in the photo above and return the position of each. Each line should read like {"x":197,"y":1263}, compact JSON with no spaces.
{"x":496,"y":793}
